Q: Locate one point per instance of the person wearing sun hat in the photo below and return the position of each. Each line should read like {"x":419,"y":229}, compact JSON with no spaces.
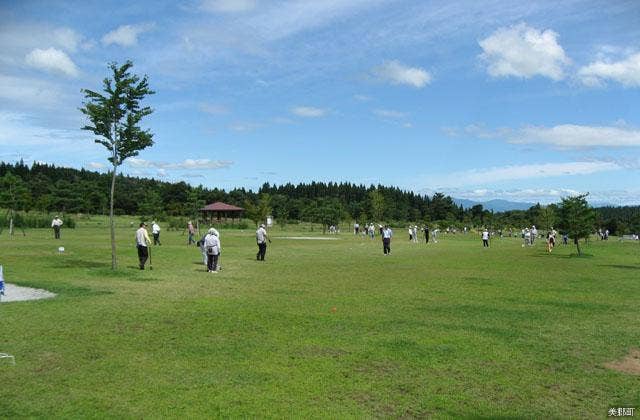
{"x":213,"y":248}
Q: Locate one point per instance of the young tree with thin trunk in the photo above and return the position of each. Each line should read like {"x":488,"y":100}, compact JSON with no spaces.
{"x":114,"y":118}
{"x":577,"y":218}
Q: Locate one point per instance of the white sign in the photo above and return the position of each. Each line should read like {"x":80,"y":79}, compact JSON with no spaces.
{"x":269,"y":221}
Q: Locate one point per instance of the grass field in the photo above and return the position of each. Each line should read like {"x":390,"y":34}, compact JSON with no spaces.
{"x":321,"y":329}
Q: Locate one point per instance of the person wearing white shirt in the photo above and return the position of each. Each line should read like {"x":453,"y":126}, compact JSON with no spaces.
{"x":485,"y":238}
{"x":142,"y":243}
{"x":415,"y":233}
{"x":212,"y":245}
{"x":387,"y":234}
{"x":55,"y":224}
{"x":155,"y":230}
{"x":261,"y":240}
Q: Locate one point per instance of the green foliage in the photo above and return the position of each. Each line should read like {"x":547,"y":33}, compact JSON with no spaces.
{"x":258,"y":212}
{"x":115,"y":115}
{"x":577,"y":218}
{"x":31,"y":220}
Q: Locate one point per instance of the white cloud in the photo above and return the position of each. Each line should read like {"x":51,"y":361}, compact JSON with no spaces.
{"x":195,"y":164}
{"x":96,"y":165}
{"x":52,"y":60}
{"x":245,"y":126}
{"x":362,"y":98}
{"x":30,"y":92}
{"x":126,"y":35}
{"x":397,"y":73}
{"x":521,"y":172}
{"x":228,"y":6}
{"x":18,"y":130}
{"x":626,"y":72}
{"x":565,"y":136}
{"x":523,"y":51}
{"x":67,"y":38}
{"x":308,"y":112}
{"x":389,"y":113}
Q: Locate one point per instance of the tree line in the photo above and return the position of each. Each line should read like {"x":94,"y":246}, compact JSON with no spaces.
{"x":47,"y":188}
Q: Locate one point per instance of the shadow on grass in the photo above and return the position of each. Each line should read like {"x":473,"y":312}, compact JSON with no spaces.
{"x":64,"y":262}
{"x":626,"y":267}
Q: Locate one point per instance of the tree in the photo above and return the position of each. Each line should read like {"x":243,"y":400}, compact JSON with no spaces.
{"x":547,"y":216}
{"x":577,"y":218}
{"x":377,"y":204}
{"x":258,"y":213}
{"x":114,"y":117}
{"x":14,"y":195}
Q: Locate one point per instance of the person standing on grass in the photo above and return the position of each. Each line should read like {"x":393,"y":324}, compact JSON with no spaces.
{"x":426,"y":234}
{"x":415,"y":234}
{"x":155,"y":230}
{"x":142,"y":243}
{"x":356,"y":228}
{"x":56,"y":223}
{"x":410,"y":234}
{"x":551,"y":240}
{"x":261,"y":240}
{"x":387,"y":234}
{"x":485,"y":238}
{"x":191,"y":231}
{"x":212,"y":245}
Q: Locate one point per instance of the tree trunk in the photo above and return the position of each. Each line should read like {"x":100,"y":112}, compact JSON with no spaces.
{"x":11,"y":223}
{"x":577,"y":242}
{"x":114,"y":263}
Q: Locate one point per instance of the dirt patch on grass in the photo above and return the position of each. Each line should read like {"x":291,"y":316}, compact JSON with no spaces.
{"x":629,"y":364}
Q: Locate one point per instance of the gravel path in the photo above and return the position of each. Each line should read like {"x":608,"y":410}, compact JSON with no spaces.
{"x":13,"y":293}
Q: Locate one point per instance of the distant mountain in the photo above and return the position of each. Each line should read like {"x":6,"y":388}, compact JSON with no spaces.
{"x":495,"y":205}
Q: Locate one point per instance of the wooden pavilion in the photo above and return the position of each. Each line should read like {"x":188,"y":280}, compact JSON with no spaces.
{"x":218,"y":211}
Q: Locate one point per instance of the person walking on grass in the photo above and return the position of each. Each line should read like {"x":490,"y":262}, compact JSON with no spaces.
{"x":387,"y":234}
{"x":212,"y":245}
{"x":485,"y":238}
{"x":261,"y":240}
{"x":192,"y":232}
{"x":56,"y":223}
{"x":551,"y":239}
{"x":155,"y":230}
{"x":142,"y":243}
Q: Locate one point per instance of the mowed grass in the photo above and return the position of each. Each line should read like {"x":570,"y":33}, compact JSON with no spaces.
{"x":328,"y":329}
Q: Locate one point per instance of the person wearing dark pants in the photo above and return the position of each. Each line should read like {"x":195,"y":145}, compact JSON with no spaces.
{"x":261,"y":239}
{"x":485,"y":238}
{"x":142,"y":243}
{"x":426,"y":234}
{"x":387,"y":233}
{"x":155,"y":230}
{"x":56,"y":223}
{"x":212,"y":245}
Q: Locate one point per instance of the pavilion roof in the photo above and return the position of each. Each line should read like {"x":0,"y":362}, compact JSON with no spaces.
{"x":220,"y":206}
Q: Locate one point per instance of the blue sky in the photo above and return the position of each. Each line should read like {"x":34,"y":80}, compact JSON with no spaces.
{"x":525,"y":101}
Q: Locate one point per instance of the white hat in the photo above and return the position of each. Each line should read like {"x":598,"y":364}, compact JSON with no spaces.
{"x":262,"y":225}
{"x":212,"y":231}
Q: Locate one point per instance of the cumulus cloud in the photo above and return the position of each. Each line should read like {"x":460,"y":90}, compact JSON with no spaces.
{"x":228,"y":6}
{"x":626,"y":72}
{"x":308,"y":112}
{"x":52,"y":60}
{"x":565,"y":136}
{"x":523,"y":51}
{"x":520,"y":172}
{"x":126,"y":35}
{"x":397,"y":73}
{"x":196,"y":164}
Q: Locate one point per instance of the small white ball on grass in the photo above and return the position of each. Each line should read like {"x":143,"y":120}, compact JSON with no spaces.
{"x":61,"y":249}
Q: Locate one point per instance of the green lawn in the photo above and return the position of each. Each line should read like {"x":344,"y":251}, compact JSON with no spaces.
{"x":447,"y":329}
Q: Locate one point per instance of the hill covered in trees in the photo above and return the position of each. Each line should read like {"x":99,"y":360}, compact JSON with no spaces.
{"x":47,"y":188}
